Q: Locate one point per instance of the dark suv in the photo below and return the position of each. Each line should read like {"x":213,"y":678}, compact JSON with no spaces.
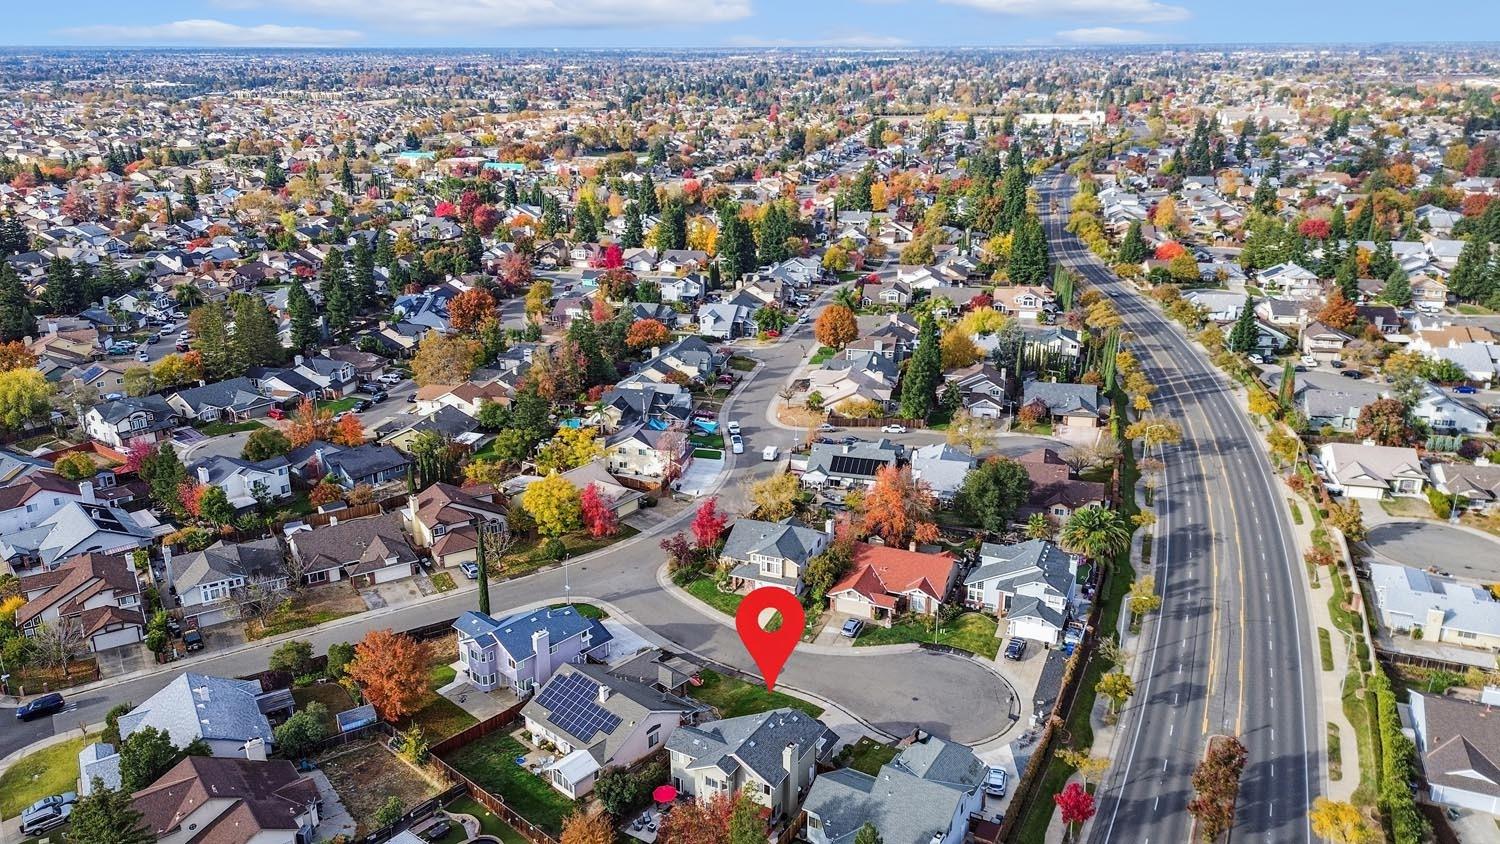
{"x":1015,"y":648}
{"x":48,"y":704}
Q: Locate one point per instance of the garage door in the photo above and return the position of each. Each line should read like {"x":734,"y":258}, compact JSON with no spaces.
{"x":858,"y":609}
{"x":117,"y":638}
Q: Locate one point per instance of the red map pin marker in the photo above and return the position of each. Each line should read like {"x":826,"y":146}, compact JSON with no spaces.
{"x":770,"y":649}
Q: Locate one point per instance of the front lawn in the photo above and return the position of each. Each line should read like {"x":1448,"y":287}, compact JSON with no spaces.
{"x":701,"y":440}
{"x":219,"y":429}
{"x":296,"y":618}
{"x":705,"y":590}
{"x":734,"y":698}
{"x":585,"y":610}
{"x":343,"y":404}
{"x":491,"y":762}
{"x":578,"y":543}
{"x":821,"y":355}
{"x":48,"y":771}
{"x":972,"y":631}
{"x":740,"y":363}
{"x":708,"y":453}
{"x":443,"y":582}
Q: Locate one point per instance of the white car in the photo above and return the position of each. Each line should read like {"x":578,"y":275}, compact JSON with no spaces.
{"x":995,"y":782}
{"x":893,"y":429}
{"x":391,"y":378}
{"x":733,"y":427}
{"x":736,"y":444}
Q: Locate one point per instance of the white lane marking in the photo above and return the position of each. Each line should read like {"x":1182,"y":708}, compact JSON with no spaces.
{"x":1163,"y":764}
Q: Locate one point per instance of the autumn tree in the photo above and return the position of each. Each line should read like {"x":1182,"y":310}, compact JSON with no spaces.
{"x":309,"y":422}
{"x":1216,"y":783}
{"x":1076,"y":805}
{"x":702,"y":821}
{"x":1117,"y":687}
{"x":959,"y":350}
{"x":898,"y":508}
{"x":599,"y":514}
{"x":775,"y":498}
{"x":391,"y":670}
{"x":835,"y":327}
{"x":584,"y":828}
{"x":554,"y":505}
{"x":971,"y":433}
{"x":445,"y":360}
{"x":15,"y":355}
{"x":469,"y":309}
{"x":1340,"y":822}
{"x":348,"y":431}
{"x":24,"y":395}
{"x":709,"y":523}
{"x":568,"y":449}
{"x":264,"y":444}
{"x":1385,"y":421}
{"x":645,"y":333}
{"x":1337,"y":312}
{"x":1143,"y":597}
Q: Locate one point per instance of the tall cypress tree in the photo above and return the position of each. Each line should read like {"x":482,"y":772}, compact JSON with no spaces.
{"x":1028,"y":253}
{"x":634,"y":236}
{"x":255,"y":340}
{"x":16,"y":319}
{"x":337,"y":300}
{"x":1467,"y":280}
{"x":304,"y":318}
{"x":1133,"y":248}
{"x":1242,"y":337}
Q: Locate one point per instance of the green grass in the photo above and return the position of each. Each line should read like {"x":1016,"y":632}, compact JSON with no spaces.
{"x":439,"y":717}
{"x":1296,"y":512}
{"x":707,"y":440}
{"x":708,"y":453}
{"x":973,"y":632}
{"x":822,"y":355}
{"x":706,"y":591}
{"x":734,"y":698}
{"x":868,"y":755}
{"x":443,"y":582}
{"x":1335,"y":753}
{"x":219,"y":429}
{"x":488,"y":823}
{"x":331,"y":695}
{"x":51,"y":770}
{"x":440,"y":676}
{"x":578,"y":544}
{"x":295,"y":620}
{"x":1473,"y":310}
{"x":1325,"y":648}
{"x":491,"y":763}
{"x":1360,"y":711}
{"x":343,"y":404}
{"x":585,"y":610}
{"x":740,"y":363}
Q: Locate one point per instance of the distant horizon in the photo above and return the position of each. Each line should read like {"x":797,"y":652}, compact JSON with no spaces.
{"x":742,"y":24}
{"x":734,"y":48}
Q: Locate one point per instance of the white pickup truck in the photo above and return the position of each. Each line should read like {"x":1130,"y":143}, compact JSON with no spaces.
{"x":768,"y":453}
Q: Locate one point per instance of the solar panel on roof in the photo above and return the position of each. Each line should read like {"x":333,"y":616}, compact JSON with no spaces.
{"x":572,"y":703}
{"x":844,"y":464}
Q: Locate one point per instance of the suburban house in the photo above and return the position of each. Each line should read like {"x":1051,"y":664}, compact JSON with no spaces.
{"x":1030,"y":584}
{"x":367,"y":551}
{"x":1475,"y":487}
{"x":98,"y":594}
{"x":37,"y":496}
{"x":206,"y":581}
{"x":986,"y":389}
{"x":234,"y":400}
{"x":80,"y":527}
{"x":770,"y":756}
{"x":365,"y":464}
{"x":522,"y":651}
{"x":943,"y":468}
{"x":598,"y":721}
{"x":1373,"y":471}
{"x":646,"y":452}
{"x":223,"y":712}
{"x":923,"y":796}
{"x":884,"y":583}
{"x":1030,"y":303}
{"x":847,"y":465}
{"x":446,"y":520}
{"x":1459,"y":748}
{"x":1323,"y":343}
{"x":204,"y":799}
{"x":1447,"y":414}
{"x":725,"y":321}
{"x":771,"y":553}
{"x":1069,"y":407}
{"x":1409,"y":600}
{"x":1054,"y":490}
{"x":123,"y":422}
{"x":245,"y":483}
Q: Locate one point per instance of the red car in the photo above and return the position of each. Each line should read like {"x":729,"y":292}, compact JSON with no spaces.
{"x":276,"y":413}
{"x":773,"y":333}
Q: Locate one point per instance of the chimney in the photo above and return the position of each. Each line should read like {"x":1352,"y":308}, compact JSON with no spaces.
{"x":541,"y":645}
{"x":603,"y":693}
{"x":86,"y":492}
{"x":848,"y":447}
{"x":297,"y":360}
{"x":789,"y":764}
{"x":1432,"y":629}
{"x":255,"y":750}
{"x":202,"y":474}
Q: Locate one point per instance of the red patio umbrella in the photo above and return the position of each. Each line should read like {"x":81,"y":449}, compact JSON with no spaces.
{"x":664,"y":794}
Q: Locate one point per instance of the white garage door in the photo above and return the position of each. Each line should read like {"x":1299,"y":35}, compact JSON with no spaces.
{"x":858,"y":609}
{"x":117,"y":638}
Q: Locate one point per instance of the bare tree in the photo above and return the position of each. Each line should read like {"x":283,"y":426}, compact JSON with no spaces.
{"x":58,"y":644}
{"x":260,"y":597}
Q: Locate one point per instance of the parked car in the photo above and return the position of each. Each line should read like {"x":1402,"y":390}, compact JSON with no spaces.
{"x":1465,"y":390}
{"x":1309,"y":360}
{"x":192,"y":640}
{"x":1015,"y":648}
{"x":1352,"y":373}
{"x":363,"y":404}
{"x":736,"y":444}
{"x":391,"y":378}
{"x":851,"y":628}
{"x":893,"y":429}
{"x":470,"y":570}
{"x":995,"y":782}
{"x":768,"y":453}
{"x":67,"y":798}
{"x":733,"y":427}
{"x":827,"y":427}
{"x":379,"y":396}
{"x":276,"y":413}
{"x":182,"y":346}
{"x":369,"y":387}
{"x":49,"y":818}
{"x":1336,"y":363}
{"x":48,"y":704}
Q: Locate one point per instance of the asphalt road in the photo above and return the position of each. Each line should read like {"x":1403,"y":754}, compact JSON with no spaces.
{"x":1423,"y":544}
{"x":950,"y":696}
{"x":1229,"y":652}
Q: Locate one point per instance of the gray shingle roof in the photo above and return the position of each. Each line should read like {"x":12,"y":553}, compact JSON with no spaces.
{"x":754,"y":741}
{"x":514,"y":632}
{"x":199,"y":706}
{"x":1025,"y":562}
{"x":786,"y":539}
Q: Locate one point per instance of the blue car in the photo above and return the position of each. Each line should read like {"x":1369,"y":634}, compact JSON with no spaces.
{"x":1465,"y":390}
{"x":48,"y":704}
{"x":851,"y":628}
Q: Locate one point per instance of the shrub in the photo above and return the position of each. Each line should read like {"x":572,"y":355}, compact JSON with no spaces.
{"x":554,"y":549}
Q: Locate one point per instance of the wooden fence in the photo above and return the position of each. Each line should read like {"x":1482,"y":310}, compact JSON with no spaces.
{"x":874,"y":422}
{"x":505,"y":720}
{"x":475,"y":732}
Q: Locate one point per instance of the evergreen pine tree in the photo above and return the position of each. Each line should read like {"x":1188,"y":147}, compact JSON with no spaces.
{"x":346,"y":177}
{"x":337,"y":299}
{"x":1028,"y":253}
{"x":634,"y":237}
{"x":775,"y":228}
{"x":190,"y":195}
{"x":1133,"y":248}
{"x":1244,"y":334}
{"x":304,"y":318}
{"x":671,"y":233}
{"x":16,"y":319}
{"x":255,"y":333}
{"x":107,"y":816}
{"x":213,"y":344}
{"x":1337,"y":228}
{"x":1467,"y":280}
{"x":923,"y":372}
{"x":362,"y":277}
{"x":1397,"y":289}
{"x":649,"y":203}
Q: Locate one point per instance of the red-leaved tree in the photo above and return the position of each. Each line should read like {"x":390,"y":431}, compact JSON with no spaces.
{"x":645,"y":333}
{"x":445,"y":209}
{"x":139,"y":452}
{"x":709,"y":523}
{"x":703,"y":821}
{"x":598,"y":516}
{"x":1076,"y":805}
{"x":392,"y":671}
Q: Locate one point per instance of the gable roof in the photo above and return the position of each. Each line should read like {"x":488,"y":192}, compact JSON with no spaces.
{"x":266,"y":795}
{"x":513,"y":633}
{"x":754,"y":742}
{"x":1035,"y":560}
{"x":221,"y":561}
{"x":786,"y":539}
{"x":200,"y":706}
{"x":73,"y":582}
{"x":878,"y":572}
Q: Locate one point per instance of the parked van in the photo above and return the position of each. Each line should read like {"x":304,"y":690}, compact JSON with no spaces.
{"x":768,"y":453}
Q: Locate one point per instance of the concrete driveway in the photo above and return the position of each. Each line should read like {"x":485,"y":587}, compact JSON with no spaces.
{"x":1422,"y":544}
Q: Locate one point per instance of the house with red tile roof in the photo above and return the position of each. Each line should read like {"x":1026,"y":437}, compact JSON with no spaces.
{"x":884,"y":583}
{"x":99,"y":593}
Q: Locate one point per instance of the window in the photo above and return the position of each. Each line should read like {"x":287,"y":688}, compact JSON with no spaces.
{"x":552,"y":649}
{"x":510,"y":663}
{"x":1465,"y":634}
{"x":316,"y":577}
{"x":653,"y":735}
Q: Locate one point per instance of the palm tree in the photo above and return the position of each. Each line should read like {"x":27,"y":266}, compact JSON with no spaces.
{"x":188,"y":295}
{"x":1097,"y":533}
{"x":848,"y":297}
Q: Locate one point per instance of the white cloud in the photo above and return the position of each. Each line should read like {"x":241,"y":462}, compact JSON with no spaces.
{"x":1106,"y":35}
{"x":516,"y":14}
{"x":1136,"y":11}
{"x":212,"y":32}
{"x":853,"y":41}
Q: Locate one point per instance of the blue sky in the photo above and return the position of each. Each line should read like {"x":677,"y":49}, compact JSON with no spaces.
{"x":744,"y":23}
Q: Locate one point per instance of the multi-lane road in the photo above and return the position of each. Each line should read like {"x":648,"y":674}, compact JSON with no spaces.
{"x":1229,"y":654}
